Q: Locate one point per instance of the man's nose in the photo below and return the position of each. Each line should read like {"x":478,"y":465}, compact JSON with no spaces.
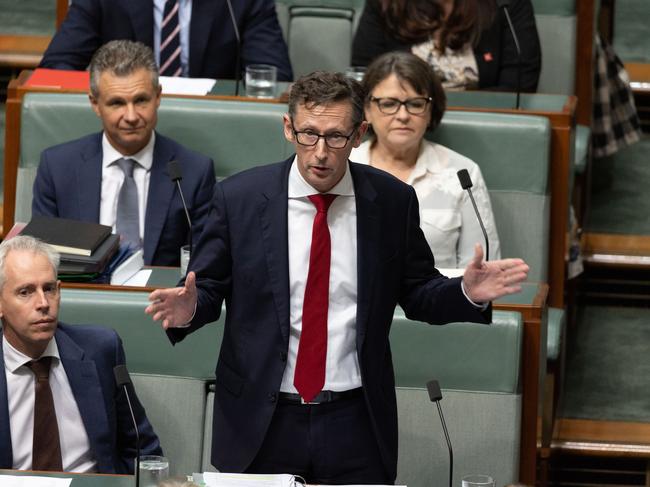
{"x":42,"y":301}
{"x":130,"y":114}
{"x":320,"y":150}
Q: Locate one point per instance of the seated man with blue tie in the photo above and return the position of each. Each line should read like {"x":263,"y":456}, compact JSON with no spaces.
{"x":119,"y":177}
{"x":192,"y":38}
{"x":60,"y":407}
{"x":311,"y":255}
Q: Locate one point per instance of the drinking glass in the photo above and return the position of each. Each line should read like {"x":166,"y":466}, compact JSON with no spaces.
{"x":261,"y":80}
{"x":185,"y":259}
{"x":355,"y":72}
{"x":478,"y":481}
{"x":153,"y":469}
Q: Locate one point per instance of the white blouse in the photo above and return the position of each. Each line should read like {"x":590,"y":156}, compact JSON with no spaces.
{"x":447,"y":217}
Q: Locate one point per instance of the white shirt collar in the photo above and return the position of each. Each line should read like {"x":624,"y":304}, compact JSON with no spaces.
{"x":144,"y":157}
{"x":15,"y":359}
{"x":299,"y":188}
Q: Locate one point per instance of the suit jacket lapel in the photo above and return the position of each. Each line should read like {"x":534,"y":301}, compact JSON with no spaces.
{"x":89,"y":180}
{"x":161,"y":190}
{"x":85,"y":384}
{"x":368,"y":238}
{"x":6,"y":452}
{"x":141,"y":16}
{"x":203,"y":15}
{"x":273,"y":217}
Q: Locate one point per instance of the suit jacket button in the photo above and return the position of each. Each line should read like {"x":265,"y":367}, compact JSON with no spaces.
{"x":273,"y":397}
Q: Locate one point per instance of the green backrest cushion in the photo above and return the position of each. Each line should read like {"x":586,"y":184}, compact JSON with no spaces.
{"x":148,"y":351}
{"x":517,"y":178}
{"x":557,"y":34}
{"x":461,"y":356}
{"x":555,"y":7}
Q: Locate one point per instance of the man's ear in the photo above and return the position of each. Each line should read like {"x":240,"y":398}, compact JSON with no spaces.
{"x":94,"y":104}
{"x":288,"y":129}
{"x":361,"y":131}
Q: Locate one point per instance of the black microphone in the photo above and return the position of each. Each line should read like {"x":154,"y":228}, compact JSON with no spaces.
{"x":122,"y":379}
{"x":238,"y":58}
{"x":436,"y":395}
{"x":504,"y":4}
{"x":466,"y":183}
{"x":176,"y":175}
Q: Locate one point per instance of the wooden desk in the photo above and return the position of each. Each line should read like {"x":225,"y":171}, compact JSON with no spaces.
{"x":79,"y":479}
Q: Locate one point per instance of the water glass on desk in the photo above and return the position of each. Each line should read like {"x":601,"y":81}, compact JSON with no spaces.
{"x":477,"y":481}
{"x":153,"y":469}
{"x":261,"y":80}
{"x":185,"y":259}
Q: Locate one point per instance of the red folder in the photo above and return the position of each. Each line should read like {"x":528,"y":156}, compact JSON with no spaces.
{"x":59,"y":79}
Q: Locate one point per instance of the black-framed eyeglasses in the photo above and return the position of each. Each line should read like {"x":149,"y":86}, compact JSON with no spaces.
{"x":390,"y":106}
{"x":310,"y":138}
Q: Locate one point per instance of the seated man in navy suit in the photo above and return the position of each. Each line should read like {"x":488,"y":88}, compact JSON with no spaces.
{"x":311,"y":255}
{"x":204,"y":46}
{"x":60,"y":408}
{"x":119,"y":177}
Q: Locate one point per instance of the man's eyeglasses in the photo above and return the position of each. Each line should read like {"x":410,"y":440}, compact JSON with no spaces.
{"x":310,"y":138}
{"x":390,"y":106}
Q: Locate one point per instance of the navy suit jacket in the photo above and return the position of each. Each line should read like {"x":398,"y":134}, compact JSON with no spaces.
{"x":88,"y":355}
{"x":69,"y":181}
{"x":213,"y":45}
{"x":242,"y":258}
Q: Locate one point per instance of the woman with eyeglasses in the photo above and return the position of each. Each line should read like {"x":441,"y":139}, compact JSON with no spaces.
{"x":404,"y":100}
{"x":468,"y":42}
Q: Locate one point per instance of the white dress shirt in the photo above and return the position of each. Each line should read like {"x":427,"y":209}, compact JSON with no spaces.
{"x":113,"y":177}
{"x":342,"y":370}
{"x":184,"y":18}
{"x":76,"y":455}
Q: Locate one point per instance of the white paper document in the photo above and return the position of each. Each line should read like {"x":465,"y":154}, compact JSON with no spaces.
{"x":215,"y":479}
{"x":30,"y":481}
{"x":186,"y":86}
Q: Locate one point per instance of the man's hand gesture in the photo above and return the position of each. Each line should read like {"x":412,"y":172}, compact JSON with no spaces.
{"x":487,"y":281}
{"x":175,"y":306}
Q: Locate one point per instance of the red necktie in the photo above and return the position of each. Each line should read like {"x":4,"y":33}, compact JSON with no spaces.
{"x":46,"y":449}
{"x":312,"y":349}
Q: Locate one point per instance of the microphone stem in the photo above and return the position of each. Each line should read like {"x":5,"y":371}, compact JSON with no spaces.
{"x":187,"y":214}
{"x":238,"y":58}
{"x":137,"y":439}
{"x":480,"y":222}
{"x":518,"y":48}
{"x":451,"y":452}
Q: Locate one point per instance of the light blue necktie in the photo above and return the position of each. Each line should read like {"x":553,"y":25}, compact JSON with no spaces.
{"x":128,"y":215}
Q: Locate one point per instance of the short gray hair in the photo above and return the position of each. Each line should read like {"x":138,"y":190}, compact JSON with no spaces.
{"x":122,"y":58}
{"x":28,"y":244}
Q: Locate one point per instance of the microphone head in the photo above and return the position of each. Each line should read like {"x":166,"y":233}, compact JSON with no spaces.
{"x":465,"y":180}
{"x":122,"y":376}
{"x":174,"y":170}
{"x":503,"y":3}
{"x":434,"y":390}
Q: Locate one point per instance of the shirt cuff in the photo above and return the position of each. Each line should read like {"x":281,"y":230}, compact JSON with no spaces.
{"x":189,"y":322}
{"x":481,"y":306}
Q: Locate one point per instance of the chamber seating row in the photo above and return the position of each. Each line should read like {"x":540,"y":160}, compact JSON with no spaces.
{"x":478,"y":367}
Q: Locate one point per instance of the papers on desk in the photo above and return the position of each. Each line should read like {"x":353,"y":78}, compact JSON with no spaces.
{"x":215,"y":479}
{"x":32,"y":481}
{"x":186,"y":86}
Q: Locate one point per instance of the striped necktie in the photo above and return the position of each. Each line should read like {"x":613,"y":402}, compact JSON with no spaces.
{"x":170,"y":41}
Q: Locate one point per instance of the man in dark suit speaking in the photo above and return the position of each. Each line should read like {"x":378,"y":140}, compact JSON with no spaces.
{"x":119,"y":177}
{"x":311,"y":256}
{"x":192,"y":38}
{"x":60,"y":408}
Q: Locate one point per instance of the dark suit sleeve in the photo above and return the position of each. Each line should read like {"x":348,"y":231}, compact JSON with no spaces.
{"x":202,"y":200}
{"x":126,"y":437}
{"x":77,"y":39}
{"x":43,"y":192}
{"x":262,"y":40}
{"x":426,"y":294}
{"x":523,"y":21}
{"x":370,"y":39}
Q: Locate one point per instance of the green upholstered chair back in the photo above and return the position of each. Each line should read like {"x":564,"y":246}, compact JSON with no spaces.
{"x":478,"y":368}
{"x":557,"y":28}
{"x":236,"y":135}
{"x":319,"y":32}
{"x":513,"y":152}
{"x":171,"y":381}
